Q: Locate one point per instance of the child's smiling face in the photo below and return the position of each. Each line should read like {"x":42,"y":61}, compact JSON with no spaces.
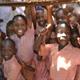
{"x":8,"y":49}
{"x":20,"y":26}
{"x":62,"y":34}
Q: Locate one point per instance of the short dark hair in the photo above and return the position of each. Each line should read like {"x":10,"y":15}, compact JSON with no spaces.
{"x":8,"y":41}
{"x":20,"y":15}
{"x":9,"y":23}
{"x":66,"y":25}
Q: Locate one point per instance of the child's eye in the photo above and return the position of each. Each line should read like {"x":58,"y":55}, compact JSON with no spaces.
{"x":16,"y":25}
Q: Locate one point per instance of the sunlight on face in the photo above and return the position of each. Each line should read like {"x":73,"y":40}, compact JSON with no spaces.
{"x":63,"y":25}
{"x":61,"y":63}
{"x":61,"y":36}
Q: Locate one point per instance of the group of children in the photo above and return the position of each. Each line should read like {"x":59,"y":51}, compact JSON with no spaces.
{"x":27,"y":54}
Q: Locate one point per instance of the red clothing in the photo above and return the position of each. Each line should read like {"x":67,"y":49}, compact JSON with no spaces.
{"x":64,"y":62}
{"x":12,"y":69}
{"x":42,"y":70}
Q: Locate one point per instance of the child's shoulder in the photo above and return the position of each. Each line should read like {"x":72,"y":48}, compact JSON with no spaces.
{"x":76,"y":50}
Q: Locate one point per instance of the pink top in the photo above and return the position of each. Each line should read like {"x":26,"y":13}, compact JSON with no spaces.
{"x":42,"y":70}
{"x":64,"y":62}
{"x":25,"y":45}
{"x":12,"y":69}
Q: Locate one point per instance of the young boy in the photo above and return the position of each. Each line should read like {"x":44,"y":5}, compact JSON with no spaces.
{"x":64,"y":58}
{"x":41,"y":22}
{"x":24,"y":39}
{"x":12,"y":69}
{"x":42,"y":63}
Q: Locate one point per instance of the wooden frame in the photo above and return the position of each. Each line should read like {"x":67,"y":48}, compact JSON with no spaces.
{"x":35,"y":3}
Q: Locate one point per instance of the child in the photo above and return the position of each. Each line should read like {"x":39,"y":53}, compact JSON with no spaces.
{"x":24,"y":39}
{"x":42,"y":63}
{"x":12,"y":69}
{"x":9,"y":28}
{"x":41,"y":22}
{"x":64,"y":58}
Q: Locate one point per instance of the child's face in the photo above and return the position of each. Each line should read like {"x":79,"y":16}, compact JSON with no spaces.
{"x":75,"y":40}
{"x":8,"y":51}
{"x":40,"y":19}
{"x":53,"y":37}
{"x":20,"y":26}
{"x":62,"y":35}
{"x":10,"y":30}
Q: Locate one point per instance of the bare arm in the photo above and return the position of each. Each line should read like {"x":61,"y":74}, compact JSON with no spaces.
{"x":40,"y":39}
